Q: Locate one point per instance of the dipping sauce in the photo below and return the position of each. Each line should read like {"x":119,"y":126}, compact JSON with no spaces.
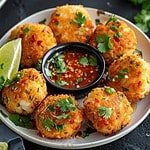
{"x":73,"y":68}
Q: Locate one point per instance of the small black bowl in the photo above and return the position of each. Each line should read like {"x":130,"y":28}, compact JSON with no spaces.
{"x":75,"y":46}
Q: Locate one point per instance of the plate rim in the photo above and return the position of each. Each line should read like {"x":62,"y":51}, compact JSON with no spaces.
{"x":74,"y":145}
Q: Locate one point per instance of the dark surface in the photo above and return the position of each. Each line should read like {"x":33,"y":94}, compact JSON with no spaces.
{"x":15,"y":10}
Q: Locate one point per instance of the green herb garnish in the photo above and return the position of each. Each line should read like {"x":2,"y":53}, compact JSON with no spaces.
{"x":104,"y":43}
{"x":59,"y":127}
{"x":109,"y":90}
{"x":114,"y":27}
{"x":56,"y":23}
{"x":48,"y":124}
{"x":61,"y":82}
{"x":112,"y":19}
{"x":93,"y":60}
{"x":26,"y":30}
{"x":97,"y":21}
{"x":63,"y":116}
{"x":59,"y":63}
{"x":80,"y":19}
{"x":42,"y":21}
{"x":118,"y":34}
{"x":83,"y":61}
{"x":17,"y":77}
{"x":122,"y":73}
{"x":105,"y":112}
{"x":38,"y":65}
{"x":50,"y":108}
{"x":78,"y":80}
{"x":138,"y":52}
{"x":23,"y":121}
{"x":66,"y":104}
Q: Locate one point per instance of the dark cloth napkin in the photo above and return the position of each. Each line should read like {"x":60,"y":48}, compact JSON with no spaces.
{"x":14,"y":141}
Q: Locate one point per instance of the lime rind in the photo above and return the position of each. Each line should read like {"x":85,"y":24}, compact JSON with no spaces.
{"x":10,"y":55}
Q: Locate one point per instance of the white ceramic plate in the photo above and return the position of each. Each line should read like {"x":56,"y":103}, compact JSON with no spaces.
{"x":2,"y":2}
{"x":95,"y":139}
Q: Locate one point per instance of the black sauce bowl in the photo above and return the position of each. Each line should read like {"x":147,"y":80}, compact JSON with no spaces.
{"x":73,"y":46}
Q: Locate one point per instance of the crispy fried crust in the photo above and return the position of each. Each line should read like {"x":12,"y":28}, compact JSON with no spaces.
{"x":37,"y":39}
{"x":71,"y":124}
{"x":121,"y":45}
{"x":25,"y":95}
{"x":135,"y":85}
{"x":121,"y":110}
{"x":65,"y":29}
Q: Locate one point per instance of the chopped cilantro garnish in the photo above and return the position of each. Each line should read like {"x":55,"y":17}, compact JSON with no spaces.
{"x":48,"y":124}
{"x":56,"y":23}
{"x":78,"y":80}
{"x":114,"y":28}
{"x":118,"y":34}
{"x":59,"y":127}
{"x":122,"y":73}
{"x":48,"y":72}
{"x":38,"y":65}
{"x":112,"y":19}
{"x":26,"y":30}
{"x":105,"y":112}
{"x":83,"y":61}
{"x":63,"y":116}
{"x":59,"y":63}
{"x":50,"y":108}
{"x":93,"y":60}
{"x":138,"y":52}
{"x":23,"y":121}
{"x":42,"y":21}
{"x":18,"y":76}
{"x":109,"y":90}
{"x":97,"y":21}
{"x":66,"y":104}
{"x":61,"y":82}
{"x":80,"y":19}
{"x":104,"y":43}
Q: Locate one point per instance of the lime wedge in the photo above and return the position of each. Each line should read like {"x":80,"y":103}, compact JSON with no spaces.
{"x":3,"y":146}
{"x":10,"y":55}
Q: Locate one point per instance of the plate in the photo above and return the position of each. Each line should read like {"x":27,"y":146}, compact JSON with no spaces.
{"x":95,"y":139}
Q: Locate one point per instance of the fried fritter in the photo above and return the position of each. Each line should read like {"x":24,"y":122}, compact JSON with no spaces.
{"x":58,"y":117}
{"x":108,"y":110}
{"x":131,"y":75}
{"x":113,"y":38}
{"x":25,"y":95}
{"x":37,"y":39}
{"x":71,"y":23}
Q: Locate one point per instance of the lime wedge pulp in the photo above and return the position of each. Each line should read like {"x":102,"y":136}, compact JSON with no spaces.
{"x":10,"y":55}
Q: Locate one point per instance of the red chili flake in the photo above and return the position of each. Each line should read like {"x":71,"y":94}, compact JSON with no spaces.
{"x":39,"y":42}
{"x":116,"y":39}
{"x":32,"y":38}
{"x":54,"y":20}
{"x":21,"y":35}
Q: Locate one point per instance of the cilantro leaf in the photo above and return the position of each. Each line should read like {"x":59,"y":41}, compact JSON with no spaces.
{"x":136,"y":2}
{"x":26,"y":30}
{"x":142,"y":20}
{"x":59,"y":127}
{"x":63,"y":116}
{"x":83,"y":61}
{"x":97,"y":21}
{"x":105,"y":112}
{"x":38,"y":65}
{"x":78,"y":80}
{"x":42,"y":21}
{"x":122,"y":73}
{"x":59,"y":63}
{"x":93,"y":60}
{"x":48,"y":124}
{"x":50,"y":108}
{"x":109,"y":90}
{"x":66,"y":104}
{"x":80,"y":19}
{"x":104,"y":43}
{"x":23,"y":121}
{"x":112,"y":19}
{"x":61,"y":82}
